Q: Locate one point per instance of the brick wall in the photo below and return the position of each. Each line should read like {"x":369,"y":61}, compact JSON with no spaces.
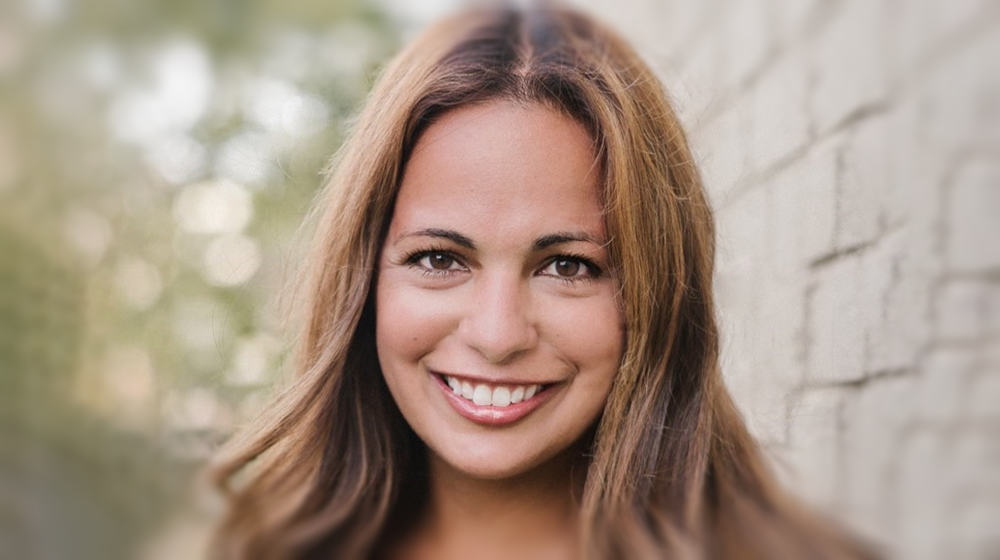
{"x":852,"y":152}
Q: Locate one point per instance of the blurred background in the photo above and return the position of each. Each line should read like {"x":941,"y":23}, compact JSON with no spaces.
{"x":157,"y":159}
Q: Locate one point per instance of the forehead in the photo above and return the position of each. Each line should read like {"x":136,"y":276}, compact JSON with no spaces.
{"x":501,"y":170}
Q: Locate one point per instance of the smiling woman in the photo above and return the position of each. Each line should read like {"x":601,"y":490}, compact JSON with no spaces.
{"x":491,"y":298}
{"x":509,"y":348}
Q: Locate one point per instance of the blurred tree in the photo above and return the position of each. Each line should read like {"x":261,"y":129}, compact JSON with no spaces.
{"x":156,"y":160}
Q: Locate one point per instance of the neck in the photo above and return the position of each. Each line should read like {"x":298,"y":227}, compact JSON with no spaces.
{"x":530,"y":515}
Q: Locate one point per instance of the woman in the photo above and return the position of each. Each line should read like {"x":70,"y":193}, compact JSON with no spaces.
{"x":509,"y":345}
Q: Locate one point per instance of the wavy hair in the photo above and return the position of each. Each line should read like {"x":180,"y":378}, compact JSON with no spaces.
{"x":673,"y":472}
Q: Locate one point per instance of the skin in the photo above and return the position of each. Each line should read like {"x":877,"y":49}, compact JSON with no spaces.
{"x":502,"y":176}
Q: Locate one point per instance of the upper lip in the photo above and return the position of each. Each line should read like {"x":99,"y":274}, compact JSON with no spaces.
{"x":492,"y":380}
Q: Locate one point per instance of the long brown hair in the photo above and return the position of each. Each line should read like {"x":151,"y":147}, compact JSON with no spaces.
{"x":673,"y":471}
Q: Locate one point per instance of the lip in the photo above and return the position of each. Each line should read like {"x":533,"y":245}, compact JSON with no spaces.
{"x":492,"y":415}
{"x":491,"y":381}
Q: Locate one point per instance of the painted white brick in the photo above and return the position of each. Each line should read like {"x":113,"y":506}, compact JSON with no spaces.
{"x":746,"y":37}
{"x":781,"y":330}
{"x":814,"y":449}
{"x":977,"y":533}
{"x":974,"y":474}
{"x":786,"y":210}
{"x":960,"y":308}
{"x":743,"y":232}
{"x":984,"y":397}
{"x":777,"y":356}
{"x":974,"y":227}
{"x":781,"y":119}
{"x":961,"y":98}
{"x":917,"y":28}
{"x":721,"y":148}
{"x":791,"y":18}
{"x":742,"y":260}
{"x":993,"y":311}
{"x":864,"y":184}
{"x":898,"y":290}
{"x":816,"y":198}
{"x":917,"y":173}
{"x":849,"y":63}
{"x":875,"y":420}
{"x":922,"y":499}
{"x":837,"y":324}
{"x":664,"y":28}
{"x":878,"y":279}
{"x":944,"y":381}
{"x":693,"y":85}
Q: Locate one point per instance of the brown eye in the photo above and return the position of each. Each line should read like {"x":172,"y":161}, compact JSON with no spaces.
{"x":440,"y":261}
{"x":566,"y":267}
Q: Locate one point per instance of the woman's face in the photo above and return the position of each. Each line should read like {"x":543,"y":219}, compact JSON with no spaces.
{"x":497,"y":326}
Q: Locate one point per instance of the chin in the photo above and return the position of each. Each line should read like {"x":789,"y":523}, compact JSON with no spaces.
{"x":489,"y":464}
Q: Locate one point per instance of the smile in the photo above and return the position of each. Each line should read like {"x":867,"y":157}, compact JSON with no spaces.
{"x":492,"y":404}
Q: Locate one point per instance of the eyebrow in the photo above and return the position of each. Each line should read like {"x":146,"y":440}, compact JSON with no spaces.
{"x":542,"y":242}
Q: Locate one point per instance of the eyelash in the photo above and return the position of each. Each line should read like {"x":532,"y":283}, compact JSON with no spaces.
{"x":413,"y":260}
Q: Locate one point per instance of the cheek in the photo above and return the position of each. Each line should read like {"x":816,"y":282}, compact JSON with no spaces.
{"x":407,"y":323}
{"x":589,"y":332}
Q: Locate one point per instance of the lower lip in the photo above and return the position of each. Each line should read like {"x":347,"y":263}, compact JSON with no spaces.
{"x":492,"y":415}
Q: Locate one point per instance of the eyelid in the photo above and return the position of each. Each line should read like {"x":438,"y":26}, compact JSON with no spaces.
{"x":413,"y":260}
{"x":594,"y":271}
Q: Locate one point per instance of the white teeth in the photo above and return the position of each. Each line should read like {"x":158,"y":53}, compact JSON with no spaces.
{"x":530,"y":391}
{"x":483,"y":396}
{"x":517,"y":395}
{"x":501,"y":396}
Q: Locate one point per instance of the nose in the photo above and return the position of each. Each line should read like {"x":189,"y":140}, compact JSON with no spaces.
{"x":499,"y":323}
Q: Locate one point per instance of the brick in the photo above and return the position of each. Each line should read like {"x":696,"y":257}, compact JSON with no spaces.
{"x":791,"y":18}
{"x":917,"y":29}
{"x":763,"y":311}
{"x":721,"y":148}
{"x":944,"y":379}
{"x":984,"y":397}
{"x":816,"y":199}
{"x":864,"y":184}
{"x":767,"y":413}
{"x":976,"y":534}
{"x":778,"y":339}
{"x":743,"y":230}
{"x":786,"y":221}
{"x":960,"y":98}
{"x":837,"y":319}
{"x":921,"y":499}
{"x":960,"y":310}
{"x":972,"y":218}
{"x":693,"y":84}
{"x":776,"y":353}
{"x":875,"y":420}
{"x":916,"y":171}
{"x":742,"y":261}
{"x":972,"y":482}
{"x":992,"y":311}
{"x":849,"y":65}
{"x":814,"y":453}
{"x":746,"y":39}
{"x":781,"y":119}
{"x":664,"y":28}
{"x":898,"y":295}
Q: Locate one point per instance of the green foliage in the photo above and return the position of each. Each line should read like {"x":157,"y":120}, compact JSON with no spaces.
{"x":165,"y":155}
